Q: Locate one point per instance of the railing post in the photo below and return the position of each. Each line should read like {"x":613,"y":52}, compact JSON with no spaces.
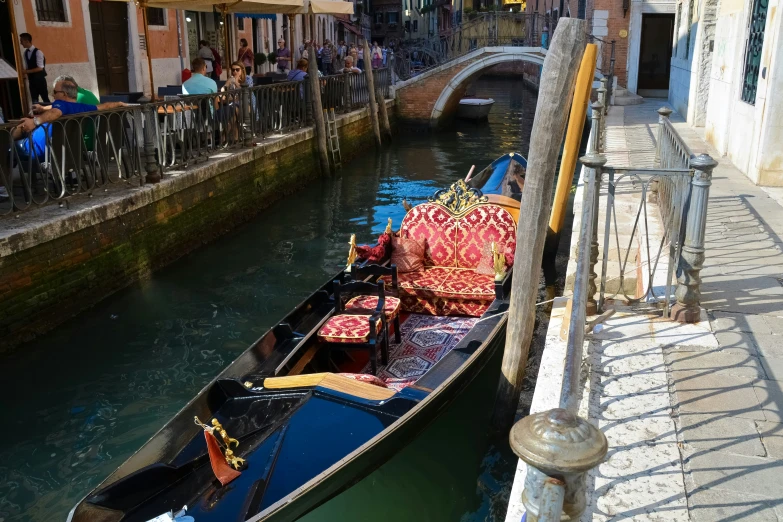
{"x":688,"y":295}
{"x":347,"y":92}
{"x":594,"y":162}
{"x":558,"y":448}
{"x":150,"y":164}
{"x":247,"y":133}
{"x":663,"y":116}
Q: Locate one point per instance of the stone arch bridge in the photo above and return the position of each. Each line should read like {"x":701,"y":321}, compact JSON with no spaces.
{"x":433,"y":95}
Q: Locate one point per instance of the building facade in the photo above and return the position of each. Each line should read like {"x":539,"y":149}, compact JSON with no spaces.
{"x":727,"y":76}
{"x":103,"y":46}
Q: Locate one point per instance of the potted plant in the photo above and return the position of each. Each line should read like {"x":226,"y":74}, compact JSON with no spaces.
{"x":259,"y":59}
{"x":272,"y":58}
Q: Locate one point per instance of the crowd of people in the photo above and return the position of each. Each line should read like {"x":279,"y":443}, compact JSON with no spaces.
{"x":339,"y":57}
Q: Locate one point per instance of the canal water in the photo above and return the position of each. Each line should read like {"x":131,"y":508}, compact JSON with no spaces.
{"x":78,"y":401}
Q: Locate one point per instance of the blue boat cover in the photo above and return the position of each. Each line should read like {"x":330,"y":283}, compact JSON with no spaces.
{"x":499,"y":168}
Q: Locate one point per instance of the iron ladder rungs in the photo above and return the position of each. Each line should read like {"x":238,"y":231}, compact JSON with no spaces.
{"x":334,"y":139}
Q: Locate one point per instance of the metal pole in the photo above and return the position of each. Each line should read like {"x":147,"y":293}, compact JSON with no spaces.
{"x":569,"y":397}
{"x":143,"y":6}
{"x":23,"y":99}
{"x":558,"y":448}
{"x":663,"y":115}
{"x":150,"y":164}
{"x":597,"y":117}
{"x":687,"y":308}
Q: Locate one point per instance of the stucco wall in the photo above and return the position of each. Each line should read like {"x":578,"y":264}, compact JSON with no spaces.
{"x":750,"y":135}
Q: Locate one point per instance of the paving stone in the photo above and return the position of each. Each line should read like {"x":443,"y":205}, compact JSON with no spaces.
{"x":771,"y":434}
{"x":737,"y":341}
{"x":751,"y":323}
{"x":770,"y":398}
{"x":719,"y":433}
{"x":706,"y":505}
{"x":717,"y":471}
{"x":773,"y":367}
{"x":698,"y":392}
{"x":775,"y":324}
{"x":716,"y":362}
{"x":769,"y":345}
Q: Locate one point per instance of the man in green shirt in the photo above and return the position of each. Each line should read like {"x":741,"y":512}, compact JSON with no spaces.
{"x":86,"y":97}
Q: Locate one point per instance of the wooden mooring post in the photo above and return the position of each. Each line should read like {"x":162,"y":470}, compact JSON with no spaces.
{"x":376,"y":128}
{"x":381,"y":100}
{"x":558,"y":78}
{"x":318,"y":112}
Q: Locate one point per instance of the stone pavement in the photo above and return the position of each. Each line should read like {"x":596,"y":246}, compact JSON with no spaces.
{"x":692,"y":412}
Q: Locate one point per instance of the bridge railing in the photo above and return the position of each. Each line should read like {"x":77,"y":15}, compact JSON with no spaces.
{"x":486,"y":30}
{"x":138,"y":144}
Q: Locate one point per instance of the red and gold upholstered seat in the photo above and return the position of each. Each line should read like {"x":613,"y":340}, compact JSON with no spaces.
{"x":346,"y":328}
{"x":391,"y":305}
{"x":456,"y":225}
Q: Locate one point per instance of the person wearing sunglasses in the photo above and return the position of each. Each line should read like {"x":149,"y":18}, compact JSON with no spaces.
{"x":237,"y":77}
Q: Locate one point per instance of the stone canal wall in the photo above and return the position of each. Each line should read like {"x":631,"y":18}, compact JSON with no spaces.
{"x":56,"y":262}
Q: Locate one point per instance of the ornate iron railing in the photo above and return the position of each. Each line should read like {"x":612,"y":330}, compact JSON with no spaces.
{"x":492,"y":29}
{"x":137,"y":144}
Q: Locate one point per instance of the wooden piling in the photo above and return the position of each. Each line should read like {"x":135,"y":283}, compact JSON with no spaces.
{"x":558,"y":79}
{"x":318,"y":111}
{"x":376,"y":128}
{"x":379,"y":98}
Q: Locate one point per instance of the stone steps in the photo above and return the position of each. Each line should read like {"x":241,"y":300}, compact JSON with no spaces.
{"x":623,"y":97}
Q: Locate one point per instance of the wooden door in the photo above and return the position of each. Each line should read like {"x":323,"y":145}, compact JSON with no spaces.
{"x":109,"y":21}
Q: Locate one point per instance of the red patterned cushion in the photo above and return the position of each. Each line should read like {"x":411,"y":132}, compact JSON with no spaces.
{"x":368,"y":303}
{"x":347,"y":329}
{"x":408,"y":254}
{"x":424,"y":282}
{"x":439,"y":229}
{"x":467,"y":284}
{"x":479,"y":226}
{"x":365,"y":377}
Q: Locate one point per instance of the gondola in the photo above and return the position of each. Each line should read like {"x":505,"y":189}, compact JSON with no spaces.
{"x":503,"y":177}
{"x":296,"y":420}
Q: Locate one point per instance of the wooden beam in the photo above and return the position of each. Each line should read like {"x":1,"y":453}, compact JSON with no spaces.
{"x":376,"y":129}
{"x":318,"y":112}
{"x":558,"y":77}
{"x":331,"y":381}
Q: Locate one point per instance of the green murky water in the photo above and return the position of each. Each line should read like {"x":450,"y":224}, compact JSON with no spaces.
{"x":81,"y":399}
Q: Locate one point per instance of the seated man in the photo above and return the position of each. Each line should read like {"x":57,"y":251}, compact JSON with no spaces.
{"x":199,"y":83}
{"x":87,"y":101}
{"x":66,"y":93}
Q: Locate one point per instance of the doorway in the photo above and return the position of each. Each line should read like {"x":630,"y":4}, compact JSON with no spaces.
{"x":655,"y":55}
{"x":109,"y":22}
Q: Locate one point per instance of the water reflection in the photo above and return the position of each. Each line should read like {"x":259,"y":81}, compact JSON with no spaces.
{"x":81,"y":399}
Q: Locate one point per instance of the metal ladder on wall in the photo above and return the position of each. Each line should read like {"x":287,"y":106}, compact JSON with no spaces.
{"x":334,"y":140}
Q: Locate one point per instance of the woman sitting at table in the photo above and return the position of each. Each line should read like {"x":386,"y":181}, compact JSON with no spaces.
{"x":229,"y":114}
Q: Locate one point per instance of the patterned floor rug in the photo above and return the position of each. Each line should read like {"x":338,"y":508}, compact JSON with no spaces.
{"x":425,"y":340}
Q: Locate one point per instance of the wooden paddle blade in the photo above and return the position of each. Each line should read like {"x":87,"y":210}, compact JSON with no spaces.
{"x":220,"y":467}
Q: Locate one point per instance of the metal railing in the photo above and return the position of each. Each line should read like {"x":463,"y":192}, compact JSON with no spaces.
{"x":491,"y":29}
{"x":558,"y":446}
{"x":605,"y":65}
{"x":138,"y":144}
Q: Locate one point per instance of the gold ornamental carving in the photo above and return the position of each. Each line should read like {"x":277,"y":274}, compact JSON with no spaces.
{"x":458,"y":198}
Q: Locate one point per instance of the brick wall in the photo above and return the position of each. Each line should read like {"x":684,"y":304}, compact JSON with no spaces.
{"x":43,"y":283}
{"x":416,"y":100}
{"x":608,"y":21}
